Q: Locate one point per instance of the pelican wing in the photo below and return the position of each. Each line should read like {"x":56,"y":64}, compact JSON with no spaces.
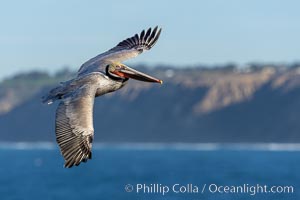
{"x":74,"y":125}
{"x":128,"y":48}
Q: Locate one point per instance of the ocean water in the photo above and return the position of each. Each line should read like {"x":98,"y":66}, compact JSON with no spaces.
{"x":189,"y":172}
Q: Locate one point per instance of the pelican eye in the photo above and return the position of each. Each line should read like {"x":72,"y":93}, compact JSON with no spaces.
{"x":122,"y":67}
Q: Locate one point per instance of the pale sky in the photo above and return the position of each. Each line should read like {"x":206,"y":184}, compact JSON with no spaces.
{"x":48,"y":34}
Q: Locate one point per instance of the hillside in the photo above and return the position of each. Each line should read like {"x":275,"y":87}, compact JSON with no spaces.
{"x":257,"y":104}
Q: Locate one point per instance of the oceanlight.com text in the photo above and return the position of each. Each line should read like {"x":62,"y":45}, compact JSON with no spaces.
{"x":249,"y":189}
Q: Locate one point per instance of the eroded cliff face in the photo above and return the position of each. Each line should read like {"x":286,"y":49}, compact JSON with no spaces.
{"x":18,"y":89}
{"x":232,"y":88}
{"x":11,"y":97}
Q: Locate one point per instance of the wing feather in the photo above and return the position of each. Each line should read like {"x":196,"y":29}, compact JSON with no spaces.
{"x":142,"y":37}
{"x":126,"y":49}
{"x":74,"y":126}
{"x":136,"y":39}
{"x":147,"y":35}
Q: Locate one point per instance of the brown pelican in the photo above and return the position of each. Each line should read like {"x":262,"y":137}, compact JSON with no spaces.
{"x":100,"y":75}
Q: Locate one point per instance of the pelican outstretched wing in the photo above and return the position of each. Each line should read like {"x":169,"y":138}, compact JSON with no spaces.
{"x":128,"y":48}
{"x":74,"y":124}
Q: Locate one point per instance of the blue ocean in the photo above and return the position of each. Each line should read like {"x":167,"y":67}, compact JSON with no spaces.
{"x":152,"y":171}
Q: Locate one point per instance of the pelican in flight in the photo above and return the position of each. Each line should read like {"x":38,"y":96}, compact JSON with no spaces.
{"x":100,"y":75}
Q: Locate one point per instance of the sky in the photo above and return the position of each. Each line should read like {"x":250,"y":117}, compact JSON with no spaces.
{"x":50,"y":34}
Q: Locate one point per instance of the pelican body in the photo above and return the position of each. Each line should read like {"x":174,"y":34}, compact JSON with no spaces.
{"x":98,"y":76}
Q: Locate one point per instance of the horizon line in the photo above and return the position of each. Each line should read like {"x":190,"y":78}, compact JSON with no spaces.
{"x":180,"y":146}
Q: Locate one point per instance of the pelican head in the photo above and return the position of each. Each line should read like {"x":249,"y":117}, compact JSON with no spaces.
{"x":119,"y":71}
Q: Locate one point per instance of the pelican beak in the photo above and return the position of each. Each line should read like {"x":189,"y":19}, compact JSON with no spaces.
{"x":128,"y":72}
